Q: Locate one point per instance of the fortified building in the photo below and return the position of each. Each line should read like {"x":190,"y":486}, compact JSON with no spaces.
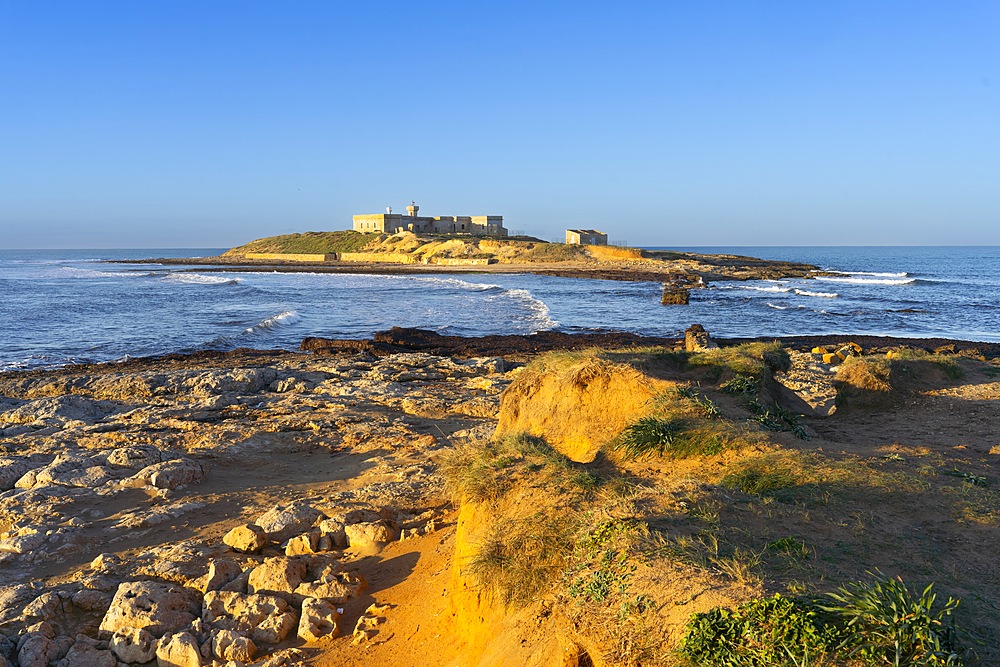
{"x":392,"y":223}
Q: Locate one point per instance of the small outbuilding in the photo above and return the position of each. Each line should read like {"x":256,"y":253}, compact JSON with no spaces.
{"x":586,"y":237}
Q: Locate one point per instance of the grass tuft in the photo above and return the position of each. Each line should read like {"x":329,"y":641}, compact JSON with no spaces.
{"x":521,"y":558}
{"x":889,"y":624}
{"x":657,"y":436}
{"x":759,"y":479}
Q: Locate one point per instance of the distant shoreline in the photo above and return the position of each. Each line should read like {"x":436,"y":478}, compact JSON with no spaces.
{"x":750,"y":269}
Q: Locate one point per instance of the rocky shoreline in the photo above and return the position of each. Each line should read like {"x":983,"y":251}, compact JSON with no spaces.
{"x":120,"y":483}
{"x":688,"y":269}
{"x":253,"y":507}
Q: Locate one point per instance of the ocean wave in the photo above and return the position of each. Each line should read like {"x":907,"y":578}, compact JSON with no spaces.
{"x":773,"y":288}
{"x":825,"y":295}
{"x":866,"y":281}
{"x":282,"y":319}
{"x":877,"y":274}
{"x":461,"y":284}
{"x":41,"y":361}
{"x":777,"y":307}
{"x":90,"y":274}
{"x":199,"y":279}
{"x":539,"y":316}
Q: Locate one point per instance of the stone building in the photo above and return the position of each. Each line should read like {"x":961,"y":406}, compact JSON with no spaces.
{"x":391,"y":223}
{"x":586,"y":237}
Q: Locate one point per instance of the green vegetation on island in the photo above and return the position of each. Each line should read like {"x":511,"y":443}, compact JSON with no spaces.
{"x":324,"y":243}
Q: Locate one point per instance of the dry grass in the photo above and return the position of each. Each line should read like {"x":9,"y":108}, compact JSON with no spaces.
{"x":755,"y":517}
{"x":869,"y":374}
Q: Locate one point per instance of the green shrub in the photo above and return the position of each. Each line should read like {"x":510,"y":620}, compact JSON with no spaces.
{"x":766,"y":632}
{"x":741,"y":384}
{"x":888,"y":624}
{"x":878,"y":622}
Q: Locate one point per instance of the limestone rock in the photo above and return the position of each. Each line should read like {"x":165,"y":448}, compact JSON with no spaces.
{"x":304,"y":544}
{"x":158,"y":607}
{"x":133,"y":645}
{"x":35,"y":650}
{"x":286,"y":657}
{"x":70,"y":469}
{"x":221,"y":571}
{"x":285,"y":521}
{"x":675,"y":295}
{"x":58,"y":410}
{"x":91,"y":600}
{"x":169,"y":474}
{"x":230,"y":645}
{"x":14,"y":468}
{"x":45,"y":607}
{"x":333,"y":584}
{"x":26,"y":540}
{"x":238,"y":380}
{"x":135,"y":457}
{"x":276,"y":575}
{"x":370,"y":537}
{"x":319,"y":619}
{"x":83,"y":654}
{"x":697,"y":339}
{"x":178,"y":650}
{"x":247,"y":538}
{"x":7,"y":648}
{"x":267,"y":619}
{"x":334,"y":530}
{"x":43,"y":628}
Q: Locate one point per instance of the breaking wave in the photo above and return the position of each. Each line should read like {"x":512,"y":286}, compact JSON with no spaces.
{"x":539,"y":317}
{"x":877,"y":274}
{"x":199,"y":279}
{"x":275,"y":321}
{"x":757,"y":288}
{"x":866,"y":281}
{"x":461,"y":284}
{"x":825,"y":295}
{"x":73,"y":272}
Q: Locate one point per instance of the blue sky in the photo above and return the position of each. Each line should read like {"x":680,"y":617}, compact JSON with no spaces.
{"x":203,"y":124}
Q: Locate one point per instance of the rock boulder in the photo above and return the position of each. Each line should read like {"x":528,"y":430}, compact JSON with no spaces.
{"x":158,"y":607}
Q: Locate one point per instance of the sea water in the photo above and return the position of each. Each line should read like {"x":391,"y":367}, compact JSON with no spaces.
{"x":59,"y":307}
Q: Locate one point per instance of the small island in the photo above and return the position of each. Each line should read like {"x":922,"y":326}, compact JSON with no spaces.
{"x":405,"y":244}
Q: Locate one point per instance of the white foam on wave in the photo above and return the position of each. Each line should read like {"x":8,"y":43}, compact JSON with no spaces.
{"x":460,"y":284}
{"x":866,"y":281}
{"x":773,"y":288}
{"x":877,"y":274}
{"x":777,"y":307}
{"x":90,"y":274}
{"x":539,"y":316}
{"x":199,"y":279}
{"x":824,"y":295}
{"x":282,"y":319}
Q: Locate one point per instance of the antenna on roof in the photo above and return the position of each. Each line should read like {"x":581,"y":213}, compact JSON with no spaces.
{"x":388,"y":209}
